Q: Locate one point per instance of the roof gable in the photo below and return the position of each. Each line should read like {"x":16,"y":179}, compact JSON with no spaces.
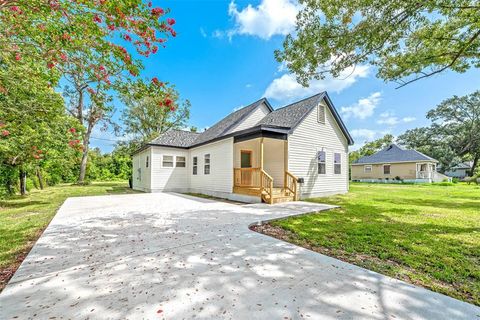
{"x":394,"y":153}
{"x":293,"y":114}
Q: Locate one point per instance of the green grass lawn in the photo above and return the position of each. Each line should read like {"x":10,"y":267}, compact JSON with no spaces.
{"x":428,"y":235}
{"x":23,"y":219}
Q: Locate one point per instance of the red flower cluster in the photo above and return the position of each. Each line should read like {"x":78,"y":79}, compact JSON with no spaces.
{"x":36,"y":152}
{"x":91,"y":91}
{"x":111,"y":27}
{"x":127,"y":37}
{"x":97,"y":19}
{"x":18,"y":56}
{"x":171,"y":21}
{"x":157,"y":82}
{"x":72,"y":130}
{"x":5,"y":133}
{"x":157,"y":11}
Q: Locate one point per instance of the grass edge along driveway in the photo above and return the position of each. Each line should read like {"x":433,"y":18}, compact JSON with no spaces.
{"x":428,"y":235}
{"x":23,"y":219}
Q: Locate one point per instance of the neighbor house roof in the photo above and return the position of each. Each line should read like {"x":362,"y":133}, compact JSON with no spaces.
{"x":463,"y":165}
{"x":284,"y":119}
{"x":392,"y":154}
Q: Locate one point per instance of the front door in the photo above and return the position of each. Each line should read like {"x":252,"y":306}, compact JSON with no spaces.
{"x":245,"y":164}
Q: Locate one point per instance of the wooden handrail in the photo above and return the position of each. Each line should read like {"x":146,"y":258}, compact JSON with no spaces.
{"x":246,"y":177}
{"x":266,"y":186}
{"x":291,"y":184}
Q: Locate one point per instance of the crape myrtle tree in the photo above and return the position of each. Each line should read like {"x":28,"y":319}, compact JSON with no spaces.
{"x":34,"y":126}
{"x":406,"y":40}
{"x":454,"y":134}
{"x":88,"y":43}
{"x":151,"y":108}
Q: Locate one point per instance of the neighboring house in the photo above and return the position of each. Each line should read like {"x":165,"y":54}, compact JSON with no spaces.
{"x":461,"y":170}
{"x":254,"y":154}
{"x":396,"y":163}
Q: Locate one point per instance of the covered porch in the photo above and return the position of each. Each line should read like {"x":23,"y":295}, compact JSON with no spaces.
{"x":261,"y":169}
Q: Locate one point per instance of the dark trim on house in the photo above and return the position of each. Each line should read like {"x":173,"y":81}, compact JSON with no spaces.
{"x":260,"y":134}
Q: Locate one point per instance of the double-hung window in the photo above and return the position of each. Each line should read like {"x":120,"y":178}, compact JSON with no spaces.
{"x":180,"y":162}
{"x":367,"y":169}
{"x":206,"y":169}
{"x":337,"y":163}
{"x":386,"y":169}
{"x":195,"y":165}
{"x":167,"y":161}
{"x":321,"y":159}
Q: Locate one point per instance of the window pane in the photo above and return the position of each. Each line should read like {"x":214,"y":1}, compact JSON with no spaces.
{"x":386,"y":169}
{"x":321,"y":156}
{"x":207,"y":169}
{"x":338,"y":169}
{"x":321,"y":168}
{"x":194,"y":169}
{"x":167,"y":161}
{"x":146,"y":162}
{"x":337,"y":158}
{"x":181,"y":161}
{"x":195,"y":161}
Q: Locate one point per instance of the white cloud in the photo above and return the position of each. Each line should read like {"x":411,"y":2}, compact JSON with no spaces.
{"x":248,"y":85}
{"x":409,"y":119}
{"x":388,"y":118}
{"x":287,"y":89}
{"x":363,"y":108}
{"x":366,"y":134}
{"x":269,"y":18}
{"x":218,"y":34}
{"x":203,"y":33}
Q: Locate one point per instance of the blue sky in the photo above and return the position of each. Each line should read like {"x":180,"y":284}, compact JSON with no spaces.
{"x":222,"y":59}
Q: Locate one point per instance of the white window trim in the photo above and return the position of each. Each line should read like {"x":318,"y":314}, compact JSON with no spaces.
{"x":339,"y":163}
{"x":322,"y":121}
{"x":194,"y":165}
{"x":324,"y":162}
{"x":185,"y":161}
{"x":173,"y":161}
{"x":205,"y":164}
{"x":367,"y":166}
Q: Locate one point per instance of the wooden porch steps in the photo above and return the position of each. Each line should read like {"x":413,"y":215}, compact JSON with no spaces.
{"x":279,"y":194}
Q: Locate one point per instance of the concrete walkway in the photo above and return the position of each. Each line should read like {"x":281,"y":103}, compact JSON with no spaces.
{"x":154,"y":256}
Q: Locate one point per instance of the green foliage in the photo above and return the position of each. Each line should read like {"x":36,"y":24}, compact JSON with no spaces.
{"x":371,"y":147}
{"x":405,"y":40}
{"x":151,"y":109}
{"x":454,"y":134}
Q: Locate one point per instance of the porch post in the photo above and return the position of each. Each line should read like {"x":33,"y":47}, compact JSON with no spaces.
{"x":261,"y":154}
{"x":285,"y":162}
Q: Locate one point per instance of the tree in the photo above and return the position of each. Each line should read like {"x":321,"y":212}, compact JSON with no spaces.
{"x":33,"y":122}
{"x":454,"y":133}
{"x":406,"y":40}
{"x":151,"y":109}
{"x":371,"y":147}
{"x":49,"y":31}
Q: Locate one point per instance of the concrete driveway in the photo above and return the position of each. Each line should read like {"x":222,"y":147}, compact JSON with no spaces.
{"x":154,"y":256}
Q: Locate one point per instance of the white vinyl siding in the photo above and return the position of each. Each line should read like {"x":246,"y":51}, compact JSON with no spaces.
{"x":220,"y":178}
{"x":170,"y":177}
{"x":307,"y":139}
{"x":141,"y":173}
{"x":252,"y":119}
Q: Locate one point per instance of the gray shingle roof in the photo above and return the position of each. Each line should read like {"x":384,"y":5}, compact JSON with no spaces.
{"x":290,"y":115}
{"x":287,"y":117}
{"x":176,"y":138}
{"x":392,"y":154}
{"x":221,"y":128}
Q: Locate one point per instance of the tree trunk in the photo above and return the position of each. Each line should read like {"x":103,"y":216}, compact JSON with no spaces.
{"x":40,"y":178}
{"x":474,"y":165}
{"x":23,"y":182}
{"x":83,"y":164}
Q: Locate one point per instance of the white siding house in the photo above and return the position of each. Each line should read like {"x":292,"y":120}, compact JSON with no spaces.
{"x":254,"y":154}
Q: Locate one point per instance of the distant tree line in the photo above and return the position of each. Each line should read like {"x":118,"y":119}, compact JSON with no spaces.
{"x":452,"y":137}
